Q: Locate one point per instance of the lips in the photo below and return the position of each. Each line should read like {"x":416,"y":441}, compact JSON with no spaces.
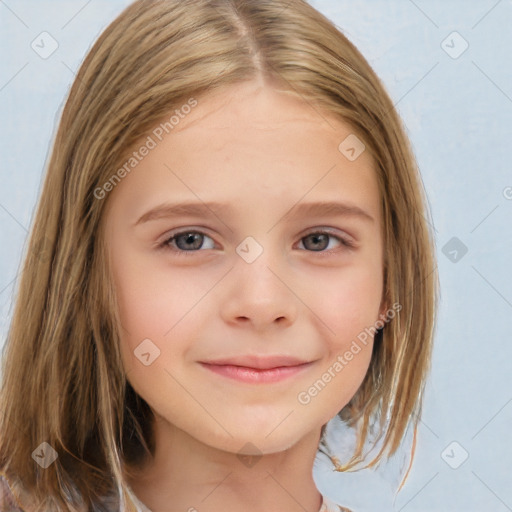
{"x":257,"y":369}
{"x":258,"y":362}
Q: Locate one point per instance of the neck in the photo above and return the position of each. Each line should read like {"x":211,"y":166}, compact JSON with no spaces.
{"x":187,"y":475}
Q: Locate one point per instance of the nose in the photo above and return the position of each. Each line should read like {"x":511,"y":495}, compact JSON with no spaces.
{"x":260,"y":295}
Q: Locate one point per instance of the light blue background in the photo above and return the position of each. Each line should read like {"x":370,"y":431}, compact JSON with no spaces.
{"x":458,"y":114}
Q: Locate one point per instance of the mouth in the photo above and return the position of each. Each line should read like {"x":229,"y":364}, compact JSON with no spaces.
{"x":258,"y":370}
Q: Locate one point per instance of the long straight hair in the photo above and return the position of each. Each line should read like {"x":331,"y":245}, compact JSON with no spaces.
{"x":63,"y":381}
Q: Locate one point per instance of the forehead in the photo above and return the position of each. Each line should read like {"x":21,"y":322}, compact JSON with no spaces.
{"x":253,"y":144}
{"x":267,"y":105}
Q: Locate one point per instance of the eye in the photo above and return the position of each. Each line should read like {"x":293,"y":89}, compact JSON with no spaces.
{"x":186,"y":242}
{"x":319,"y":241}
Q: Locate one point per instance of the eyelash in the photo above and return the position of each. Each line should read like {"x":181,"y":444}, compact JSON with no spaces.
{"x":166,"y":244}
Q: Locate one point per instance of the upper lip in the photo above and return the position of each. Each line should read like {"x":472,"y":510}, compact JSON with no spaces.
{"x":259,"y":362}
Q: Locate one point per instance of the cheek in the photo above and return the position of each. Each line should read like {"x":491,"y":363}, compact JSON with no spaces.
{"x":161,"y":306}
{"x":151,"y":309}
{"x":349,"y":302}
{"x":347,"y":307}
{"x":151,"y":304}
{"x":152,"y":300}
{"x":145,"y":308}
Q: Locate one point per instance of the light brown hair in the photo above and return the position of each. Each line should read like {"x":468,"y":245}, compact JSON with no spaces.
{"x":63,"y":381}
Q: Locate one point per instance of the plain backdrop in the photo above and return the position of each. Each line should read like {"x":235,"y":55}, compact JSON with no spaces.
{"x":447,"y":66}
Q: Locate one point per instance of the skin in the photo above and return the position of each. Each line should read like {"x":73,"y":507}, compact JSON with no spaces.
{"x":261,"y":152}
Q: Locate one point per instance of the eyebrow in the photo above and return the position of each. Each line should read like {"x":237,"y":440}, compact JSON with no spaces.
{"x":169,"y":210}
{"x":329,"y":208}
{"x":316,"y":209}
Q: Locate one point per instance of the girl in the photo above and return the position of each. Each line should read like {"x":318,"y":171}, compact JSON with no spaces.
{"x":229,"y":252}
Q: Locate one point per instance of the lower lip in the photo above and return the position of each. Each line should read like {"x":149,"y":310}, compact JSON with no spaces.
{"x":254,"y":376}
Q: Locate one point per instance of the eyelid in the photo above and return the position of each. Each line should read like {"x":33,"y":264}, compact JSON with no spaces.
{"x":346,"y":240}
{"x":164,"y":243}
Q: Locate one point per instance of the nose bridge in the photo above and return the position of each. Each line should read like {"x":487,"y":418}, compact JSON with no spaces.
{"x":257,"y":266}
{"x":257,"y":291}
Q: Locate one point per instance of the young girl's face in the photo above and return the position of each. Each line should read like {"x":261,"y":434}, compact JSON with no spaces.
{"x":223,"y":251}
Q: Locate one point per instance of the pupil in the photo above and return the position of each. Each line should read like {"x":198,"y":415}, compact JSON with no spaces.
{"x":190,"y":239}
{"x":318,"y":239}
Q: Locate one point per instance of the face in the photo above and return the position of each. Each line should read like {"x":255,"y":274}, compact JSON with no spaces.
{"x":241,"y":292}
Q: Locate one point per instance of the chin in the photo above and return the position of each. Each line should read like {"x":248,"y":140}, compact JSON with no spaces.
{"x":259,"y":440}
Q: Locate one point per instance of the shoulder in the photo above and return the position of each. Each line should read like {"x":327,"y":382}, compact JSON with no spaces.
{"x":8,"y":502}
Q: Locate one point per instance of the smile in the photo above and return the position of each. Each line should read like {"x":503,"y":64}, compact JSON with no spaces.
{"x":256,"y":375}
